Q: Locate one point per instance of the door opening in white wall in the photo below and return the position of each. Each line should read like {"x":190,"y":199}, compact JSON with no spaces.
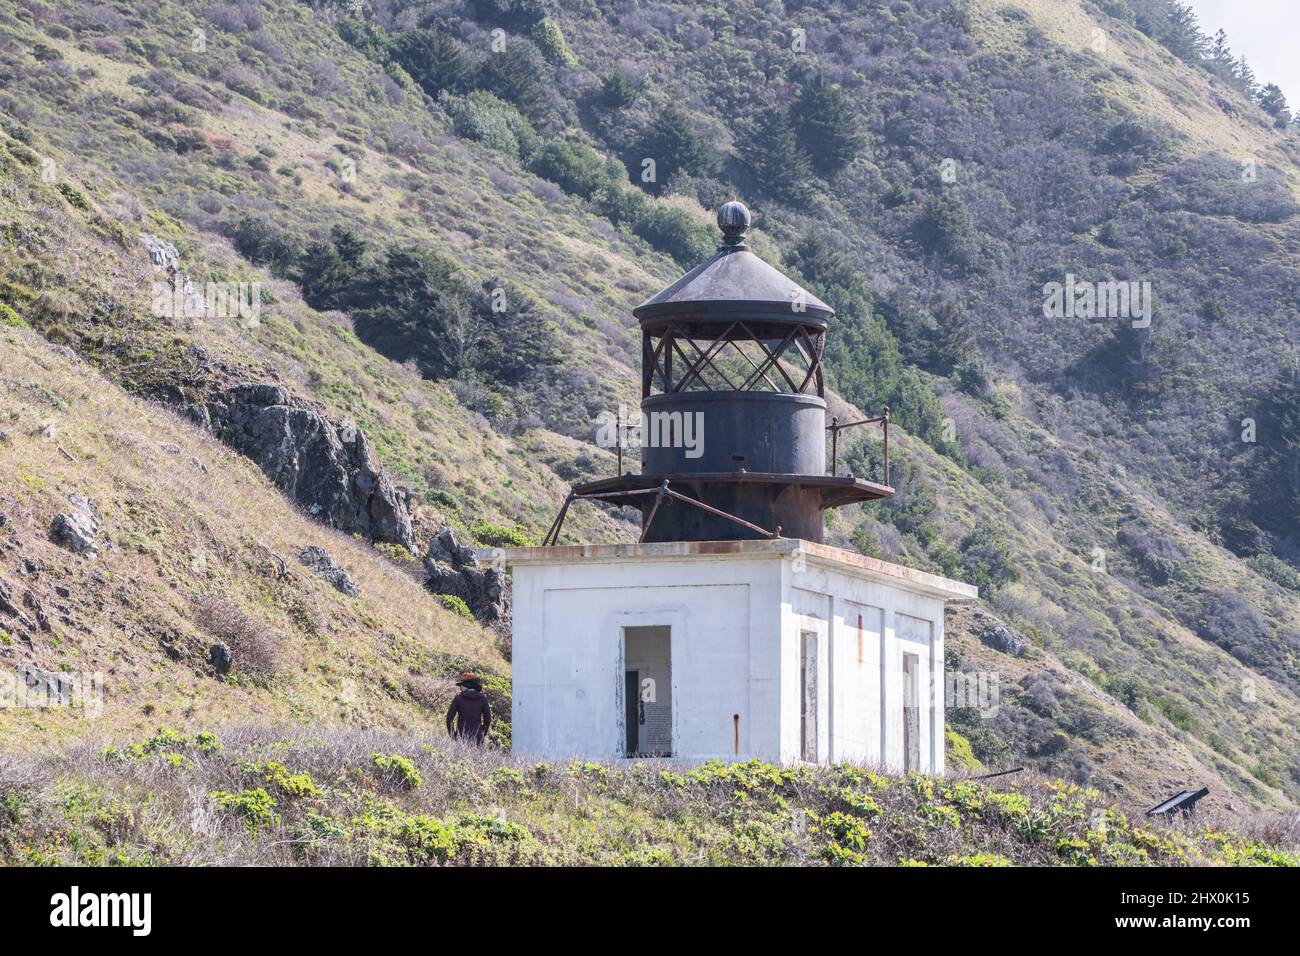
{"x":647,"y":691}
{"x":911,"y":712}
{"x":808,"y":695}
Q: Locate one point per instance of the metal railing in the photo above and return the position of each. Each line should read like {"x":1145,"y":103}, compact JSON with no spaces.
{"x":835,"y":428}
{"x":661,"y":492}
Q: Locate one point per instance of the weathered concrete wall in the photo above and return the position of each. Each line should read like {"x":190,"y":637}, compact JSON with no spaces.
{"x":860,"y":710}
{"x":568,"y":654}
{"x":735,"y":618}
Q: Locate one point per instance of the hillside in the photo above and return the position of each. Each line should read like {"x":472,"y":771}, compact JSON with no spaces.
{"x":195,"y":548}
{"x":1088,"y":476}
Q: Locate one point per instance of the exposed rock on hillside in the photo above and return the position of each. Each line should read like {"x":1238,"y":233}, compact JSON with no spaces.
{"x":8,"y":607}
{"x":453,"y":570}
{"x":220,"y":659}
{"x":327,"y":466}
{"x":324,"y":566}
{"x":995,"y":634}
{"x":78,"y":529}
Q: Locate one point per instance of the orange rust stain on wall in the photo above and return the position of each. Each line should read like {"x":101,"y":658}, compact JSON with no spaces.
{"x":859,"y":640}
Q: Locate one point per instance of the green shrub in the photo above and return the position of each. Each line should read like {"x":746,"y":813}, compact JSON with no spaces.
{"x":550,"y":41}
{"x":208,"y":742}
{"x":575,"y":167}
{"x":73,"y":195}
{"x":444,"y":498}
{"x":164,"y":743}
{"x":396,"y":552}
{"x":490,"y":120}
{"x":620,"y":89}
{"x":848,"y":839}
{"x":675,"y":232}
{"x":277,"y":775}
{"x":959,"y":751}
{"x":255,"y":806}
{"x":499,"y":536}
{"x":10,"y":318}
{"x":986,"y":559}
{"x":398,"y":769}
{"x":456,"y":605}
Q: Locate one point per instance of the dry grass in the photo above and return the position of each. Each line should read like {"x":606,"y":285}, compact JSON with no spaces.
{"x":254,"y":648}
{"x":185,"y":518}
{"x":275,"y":797}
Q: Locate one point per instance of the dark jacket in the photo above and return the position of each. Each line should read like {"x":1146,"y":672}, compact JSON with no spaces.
{"x":469,"y":716}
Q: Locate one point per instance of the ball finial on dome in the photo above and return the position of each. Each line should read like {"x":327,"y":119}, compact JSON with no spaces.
{"x":733,"y":220}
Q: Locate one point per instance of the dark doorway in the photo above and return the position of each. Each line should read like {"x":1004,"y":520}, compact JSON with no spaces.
{"x":648,"y":689}
{"x":631,"y":702}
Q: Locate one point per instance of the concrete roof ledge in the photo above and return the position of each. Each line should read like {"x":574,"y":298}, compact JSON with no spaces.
{"x":933,"y":585}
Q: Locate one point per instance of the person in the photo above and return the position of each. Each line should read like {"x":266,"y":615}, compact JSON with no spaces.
{"x":469,"y":715}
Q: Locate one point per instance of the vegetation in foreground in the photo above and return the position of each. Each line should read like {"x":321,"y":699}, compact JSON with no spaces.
{"x":351,"y":797}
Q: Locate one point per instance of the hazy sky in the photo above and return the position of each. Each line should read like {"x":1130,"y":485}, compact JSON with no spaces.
{"x":1265,"y":31}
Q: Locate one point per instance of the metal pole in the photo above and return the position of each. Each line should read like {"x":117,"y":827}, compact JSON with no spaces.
{"x":1000,"y":773}
{"x":659,"y":499}
{"x":556,"y":525}
{"x":835,"y":448}
{"x":885,"y":424}
{"x":720,"y":513}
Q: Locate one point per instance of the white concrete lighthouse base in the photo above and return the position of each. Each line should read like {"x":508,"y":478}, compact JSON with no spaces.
{"x":783,"y":650}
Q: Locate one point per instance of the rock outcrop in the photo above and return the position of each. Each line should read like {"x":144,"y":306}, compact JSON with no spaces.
{"x":324,"y":566}
{"x":78,"y":529}
{"x":327,"y":466}
{"x":220,"y":658}
{"x":453,"y":570}
{"x":995,"y":634}
{"x":8,"y":607}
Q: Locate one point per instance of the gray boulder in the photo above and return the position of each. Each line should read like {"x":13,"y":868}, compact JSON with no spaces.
{"x":324,"y":566}
{"x":453,"y":570}
{"x":161,"y":253}
{"x":219,"y":657}
{"x":1001,"y":638}
{"x":78,"y":529}
{"x":327,"y":466}
{"x":446,"y":549}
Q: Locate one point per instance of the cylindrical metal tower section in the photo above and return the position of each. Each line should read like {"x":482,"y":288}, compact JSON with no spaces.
{"x":709,"y":432}
{"x":732,"y":392}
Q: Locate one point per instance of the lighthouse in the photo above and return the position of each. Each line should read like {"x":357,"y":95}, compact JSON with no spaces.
{"x":730,"y":629}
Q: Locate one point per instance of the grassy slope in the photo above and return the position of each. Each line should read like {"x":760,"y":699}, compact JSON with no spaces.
{"x":468,"y":201}
{"x":1206,"y":115}
{"x":173,"y":534}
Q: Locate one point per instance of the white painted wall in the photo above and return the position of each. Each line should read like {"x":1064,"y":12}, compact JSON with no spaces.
{"x":735,"y":621}
{"x":865,"y":702}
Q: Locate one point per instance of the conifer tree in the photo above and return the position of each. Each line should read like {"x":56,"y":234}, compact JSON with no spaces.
{"x":676,"y":146}
{"x":435,"y":60}
{"x":827,"y":126}
{"x":1274,"y":104}
{"x":1245,"y":78}
{"x":777,"y":165}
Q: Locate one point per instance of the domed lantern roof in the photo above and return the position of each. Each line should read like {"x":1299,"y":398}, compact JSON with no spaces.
{"x":733,"y":426}
{"x":734,"y":284}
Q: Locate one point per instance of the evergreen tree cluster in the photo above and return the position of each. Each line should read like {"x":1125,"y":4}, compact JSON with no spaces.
{"x":816,"y":135}
{"x":412,"y":305}
{"x":436,"y":61}
{"x":1174,"y":24}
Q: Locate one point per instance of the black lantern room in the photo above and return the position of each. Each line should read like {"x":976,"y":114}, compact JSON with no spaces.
{"x":734,"y":429}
